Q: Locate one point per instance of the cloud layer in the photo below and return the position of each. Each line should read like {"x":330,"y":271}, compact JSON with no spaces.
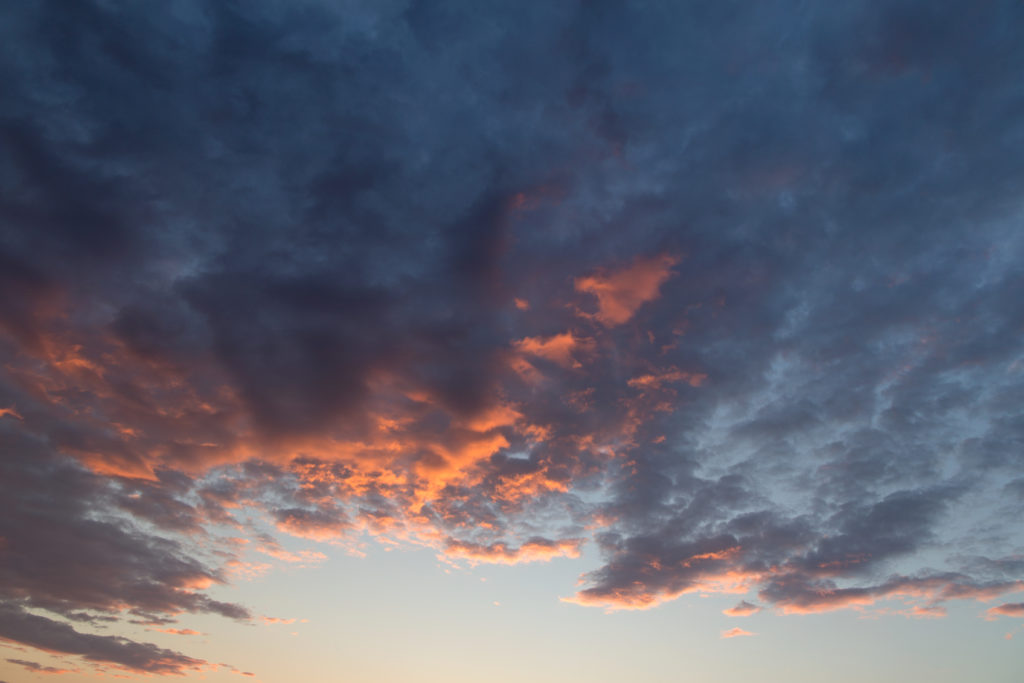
{"x":731,"y":294}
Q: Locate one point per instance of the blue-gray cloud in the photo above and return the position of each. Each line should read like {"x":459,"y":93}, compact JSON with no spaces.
{"x":231,"y":233}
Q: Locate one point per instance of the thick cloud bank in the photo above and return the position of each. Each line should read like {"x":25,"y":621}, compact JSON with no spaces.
{"x":729,"y":290}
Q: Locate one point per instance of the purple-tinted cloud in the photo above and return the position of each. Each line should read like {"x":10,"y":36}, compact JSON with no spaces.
{"x":54,"y":636}
{"x":37,"y":668}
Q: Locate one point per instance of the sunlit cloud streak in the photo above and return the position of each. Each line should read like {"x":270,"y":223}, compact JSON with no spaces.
{"x":37,"y":668}
{"x":1010,"y":609}
{"x":736,"y":632}
{"x":533,"y":550}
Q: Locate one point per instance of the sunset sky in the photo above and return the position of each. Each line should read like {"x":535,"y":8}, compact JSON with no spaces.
{"x":566,"y":341}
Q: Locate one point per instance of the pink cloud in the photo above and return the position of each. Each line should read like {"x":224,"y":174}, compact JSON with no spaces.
{"x":1010,"y":609}
{"x":655,"y":380}
{"x":736,"y":633}
{"x":742,"y":609}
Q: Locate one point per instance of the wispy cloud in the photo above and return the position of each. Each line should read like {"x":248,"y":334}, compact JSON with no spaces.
{"x":736,"y":632}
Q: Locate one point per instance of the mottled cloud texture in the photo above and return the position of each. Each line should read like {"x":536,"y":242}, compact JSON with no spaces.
{"x":728,"y":293}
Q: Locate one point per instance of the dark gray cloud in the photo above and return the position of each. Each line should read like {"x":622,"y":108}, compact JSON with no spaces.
{"x":54,"y":636}
{"x":35,"y":667}
{"x":265,"y":258}
{"x":64,"y":550}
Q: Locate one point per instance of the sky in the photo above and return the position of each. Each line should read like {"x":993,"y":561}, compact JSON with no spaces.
{"x":569,"y":341}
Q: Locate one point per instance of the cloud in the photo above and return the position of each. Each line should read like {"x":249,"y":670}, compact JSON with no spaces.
{"x":667,"y":573}
{"x":656,"y":380}
{"x":742,"y":609}
{"x":736,"y":632}
{"x":620,"y":293}
{"x":37,"y":668}
{"x":68,"y":561}
{"x":61,"y":558}
{"x":317,"y":524}
{"x":532,"y":550}
{"x":794,"y":595}
{"x":268,"y":291}
{"x":1010,"y":609}
{"x":557,"y":349}
{"x":52,"y":636}
{"x":303,"y":557}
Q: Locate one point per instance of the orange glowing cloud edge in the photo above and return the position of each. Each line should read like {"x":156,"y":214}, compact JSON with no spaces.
{"x":478,"y":442}
{"x":73,"y":369}
{"x":926,"y":612}
{"x":734,"y":581}
{"x":931,"y":592}
{"x":414,"y":488}
{"x":39,"y":670}
{"x":670,"y":375}
{"x":378,"y":465}
{"x":171,"y":665}
{"x":558,"y":348}
{"x":278,"y":620}
{"x":501,"y":553}
{"x":12,"y":412}
{"x":621,"y":293}
{"x":126,"y":440}
{"x":378,"y":458}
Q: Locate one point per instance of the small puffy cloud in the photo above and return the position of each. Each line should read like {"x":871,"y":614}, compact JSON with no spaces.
{"x":742,"y":609}
{"x":558,"y":349}
{"x":736,"y":632}
{"x":1010,"y":609}
{"x":621,"y":292}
